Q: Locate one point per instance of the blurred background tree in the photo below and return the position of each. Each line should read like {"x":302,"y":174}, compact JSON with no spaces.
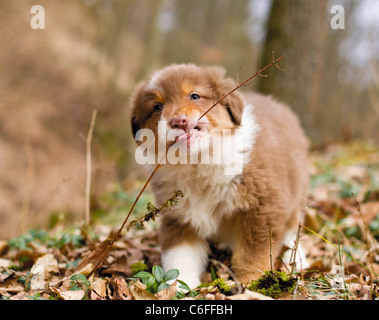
{"x":291,"y":30}
{"x":93,"y":52}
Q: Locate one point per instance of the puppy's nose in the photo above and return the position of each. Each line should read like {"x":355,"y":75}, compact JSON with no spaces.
{"x":179,"y":122}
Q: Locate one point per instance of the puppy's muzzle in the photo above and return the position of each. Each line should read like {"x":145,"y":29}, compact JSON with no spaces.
{"x":179,"y":122}
{"x":183,"y":122}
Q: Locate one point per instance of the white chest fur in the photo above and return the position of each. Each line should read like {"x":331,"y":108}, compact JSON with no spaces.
{"x":209,"y":193}
{"x":209,"y":196}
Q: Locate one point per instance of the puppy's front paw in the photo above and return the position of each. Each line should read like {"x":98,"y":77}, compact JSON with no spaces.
{"x":190,"y":260}
{"x":191,"y":281}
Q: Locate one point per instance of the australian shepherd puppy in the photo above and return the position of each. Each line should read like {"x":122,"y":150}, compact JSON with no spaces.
{"x":242,"y":168}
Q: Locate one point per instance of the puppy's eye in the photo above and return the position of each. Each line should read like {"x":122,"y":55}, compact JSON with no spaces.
{"x":194,"y":96}
{"x":157,"y":108}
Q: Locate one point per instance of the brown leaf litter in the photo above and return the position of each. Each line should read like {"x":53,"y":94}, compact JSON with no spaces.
{"x":343,"y":210}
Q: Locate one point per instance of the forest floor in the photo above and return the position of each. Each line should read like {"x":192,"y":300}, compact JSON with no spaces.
{"x":340,"y":237}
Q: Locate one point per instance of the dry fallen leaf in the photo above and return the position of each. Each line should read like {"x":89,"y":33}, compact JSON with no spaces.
{"x":69,"y":294}
{"x":368,"y":210}
{"x":98,"y":255}
{"x":326,"y":207}
{"x":11,"y":286}
{"x":4,"y":276}
{"x":5,"y":263}
{"x":99,"y":287}
{"x":65,"y":293}
{"x":42,"y":271}
{"x":363,"y":291}
{"x":121,"y":289}
{"x":86,"y":270}
{"x":119,"y":266}
{"x":169,"y":293}
{"x":138,"y":291}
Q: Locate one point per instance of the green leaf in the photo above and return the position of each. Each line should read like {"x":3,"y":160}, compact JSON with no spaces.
{"x":171,"y":275}
{"x":142,"y":274}
{"x":158,"y":273}
{"x":213,"y":274}
{"x":150,"y":282}
{"x":78,"y":277}
{"x":152,"y":285}
{"x":162,"y":286}
{"x":183,"y":285}
{"x":75,"y":288}
{"x":144,"y":281}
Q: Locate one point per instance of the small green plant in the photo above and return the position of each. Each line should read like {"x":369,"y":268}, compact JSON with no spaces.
{"x":220,"y":284}
{"x":157,"y":280}
{"x":186,"y":291}
{"x":23,"y":241}
{"x":274,"y":284}
{"x":79,"y":281}
{"x":40,"y":237}
{"x":37,"y":296}
{"x":138,"y":266}
{"x":152,"y":211}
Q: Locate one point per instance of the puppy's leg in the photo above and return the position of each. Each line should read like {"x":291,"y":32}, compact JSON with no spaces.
{"x":183,"y":250}
{"x":249,"y":261}
{"x":251,"y":253}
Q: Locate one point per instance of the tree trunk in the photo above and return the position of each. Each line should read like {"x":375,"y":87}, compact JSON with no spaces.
{"x":297,"y":29}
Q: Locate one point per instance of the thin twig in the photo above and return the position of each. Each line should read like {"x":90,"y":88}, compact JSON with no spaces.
{"x":270,"y":234}
{"x":275,"y":62}
{"x":342,"y":267}
{"x":229,"y":272}
{"x":258,"y":73}
{"x":136,"y":200}
{"x":106,"y":245}
{"x":89,"y":167}
{"x":366,"y":228}
{"x":293,"y":261}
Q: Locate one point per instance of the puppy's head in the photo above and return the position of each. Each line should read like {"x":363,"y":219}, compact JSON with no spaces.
{"x":180,"y":95}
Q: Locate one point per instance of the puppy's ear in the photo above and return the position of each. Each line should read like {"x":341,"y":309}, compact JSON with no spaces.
{"x":135,"y":105}
{"x":135,"y":126}
{"x":233,"y":103}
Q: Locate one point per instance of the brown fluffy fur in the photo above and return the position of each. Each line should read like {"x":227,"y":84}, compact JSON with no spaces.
{"x":272,"y":189}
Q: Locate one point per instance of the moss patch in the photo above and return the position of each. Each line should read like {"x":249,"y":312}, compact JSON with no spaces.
{"x":274,"y":284}
{"x":222,"y":286}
